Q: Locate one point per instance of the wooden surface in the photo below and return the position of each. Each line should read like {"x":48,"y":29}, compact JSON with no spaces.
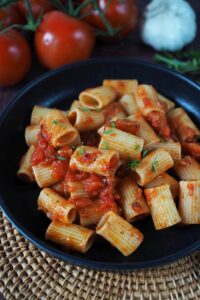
{"x":130,"y":47}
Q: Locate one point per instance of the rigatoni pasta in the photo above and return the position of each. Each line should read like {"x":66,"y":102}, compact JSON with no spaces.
{"x":56,"y":207}
{"x":102,"y":165}
{"x":122,"y":235}
{"x":189,"y":202}
{"x":163,"y":209}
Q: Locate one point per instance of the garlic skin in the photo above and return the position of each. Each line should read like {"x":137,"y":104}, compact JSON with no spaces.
{"x":169,"y":25}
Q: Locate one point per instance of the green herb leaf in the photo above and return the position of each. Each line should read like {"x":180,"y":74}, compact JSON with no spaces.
{"x":105,"y":145}
{"x":97,"y":109}
{"x":144,"y":153}
{"x":59,"y":157}
{"x":132,"y":164}
{"x":56,"y":122}
{"x":113,"y":124}
{"x":84,"y":108}
{"x":108,"y":131}
{"x":82,"y":151}
{"x":154,"y":164}
{"x":137,"y":147}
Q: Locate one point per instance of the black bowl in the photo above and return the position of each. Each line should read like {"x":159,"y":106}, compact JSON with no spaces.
{"x":57,"y":89}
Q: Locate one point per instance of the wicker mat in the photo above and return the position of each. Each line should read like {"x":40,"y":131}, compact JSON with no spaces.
{"x":28,"y":273}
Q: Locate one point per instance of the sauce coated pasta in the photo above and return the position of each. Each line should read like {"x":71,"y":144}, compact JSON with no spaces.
{"x":104,"y":164}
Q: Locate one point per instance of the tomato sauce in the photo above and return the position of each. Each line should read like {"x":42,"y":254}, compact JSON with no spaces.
{"x":190,"y":187}
{"x":128,"y":126}
{"x":89,"y":158}
{"x":90,"y":138}
{"x":112,"y":110}
{"x":159,"y":122}
{"x":192,"y":148}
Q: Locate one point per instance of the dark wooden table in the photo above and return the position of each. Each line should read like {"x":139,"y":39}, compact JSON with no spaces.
{"x":129,"y":47}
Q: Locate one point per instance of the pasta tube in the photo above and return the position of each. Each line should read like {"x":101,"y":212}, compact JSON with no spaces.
{"x":129,"y":104}
{"x":57,"y":127}
{"x":147,"y":99}
{"x":93,"y":160}
{"x":91,"y":214}
{"x":75,"y":104}
{"x":122,"y":86}
{"x":174,"y":148}
{"x":144,"y":130}
{"x":119,"y":233}
{"x":77,"y":190}
{"x":162,"y":179}
{"x":31,"y":134}
{"x":187,"y":168}
{"x":152,"y":165}
{"x":38,"y":113}
{"x":189,"y":202}
{"x":163,"y":209}
{"x":132,"y":201}
{"x":25,"y":172}
{"x":126,"y":144}
{"x":56,"y":207}
{"x":44,"y":175}
{"x":183,"y":125}
{"x":97,"y":97}
{"x":70,"y":236}
{"x":85,"y":120}
{"x":166,"y":103}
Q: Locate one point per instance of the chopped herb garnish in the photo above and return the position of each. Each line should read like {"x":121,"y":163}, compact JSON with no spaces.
{"x":132,"y":164}
{"x":108,"y":131}
{"x":97,"y":109}
{"x":144,"y":153}
{"x":82,"y":151}
{"x":59,"y":157}
{"x":154,"y":164}
{"x":56,"y":122}
{"x":113,"y":124}
{"x":105,"y":145}
{"x":84,"y":108}
{"x":137,"y":147}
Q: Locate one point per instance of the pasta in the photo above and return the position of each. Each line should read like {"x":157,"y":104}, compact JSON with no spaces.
{"x":70,"y":236}
{"x":133,"y":205}
{"x":102,"y":165}
{"x":189,"y":202}
{"x":126,"y":144}
{"x":122,"y":235}
{"x":154,"y":164}
{"x":56,"y":207}
{"x":122,"y":87}
{"x":162,"y":179}
{"x":183,"y":125}
{"x":97,"y":98}
{"x":187,"y":168}
{"x":163,"y":209}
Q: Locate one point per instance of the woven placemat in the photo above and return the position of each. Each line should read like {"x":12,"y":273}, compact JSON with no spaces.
{"x":28,"y":273}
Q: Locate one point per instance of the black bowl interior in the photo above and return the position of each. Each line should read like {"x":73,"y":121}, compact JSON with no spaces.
{"x":58,"y":89}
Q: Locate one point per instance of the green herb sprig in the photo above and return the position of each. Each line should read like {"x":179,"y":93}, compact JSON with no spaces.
{"x":154,"y":164}
{"x":132,"y":164}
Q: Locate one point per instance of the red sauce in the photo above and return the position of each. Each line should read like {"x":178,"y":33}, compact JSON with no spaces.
{"x":93,"y":184}
{"x":112,"y":110}
{"x":88,"y":121}
{"x":147,"y":102}
{"x":159,"y":122}
{"x":89,"y":158}
{"x":188,"y":133}
{"x":192,"y":148}
{"x":128,"y":126}
{"x":190,"y":187}
{"x":81,"y":202}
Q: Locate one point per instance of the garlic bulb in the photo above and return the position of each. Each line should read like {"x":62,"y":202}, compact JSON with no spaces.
{"x":169,"y":24}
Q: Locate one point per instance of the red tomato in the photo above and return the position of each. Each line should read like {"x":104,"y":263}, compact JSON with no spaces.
{"x":15,"y":57}
{"x":61,"y":39}
{"x":9,"y":15}
{"x":122,"y":15}
{"x":37,"y":6}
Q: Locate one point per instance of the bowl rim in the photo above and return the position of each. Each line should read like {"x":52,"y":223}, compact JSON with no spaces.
{"x":70,"y":258}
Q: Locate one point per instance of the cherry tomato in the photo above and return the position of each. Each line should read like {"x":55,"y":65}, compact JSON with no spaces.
{"x":122,"y":15}
{"x":9,"y":15}
{"x":61,"y":39}
{"x":15,"y":57}
{"x":37,"y":6}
